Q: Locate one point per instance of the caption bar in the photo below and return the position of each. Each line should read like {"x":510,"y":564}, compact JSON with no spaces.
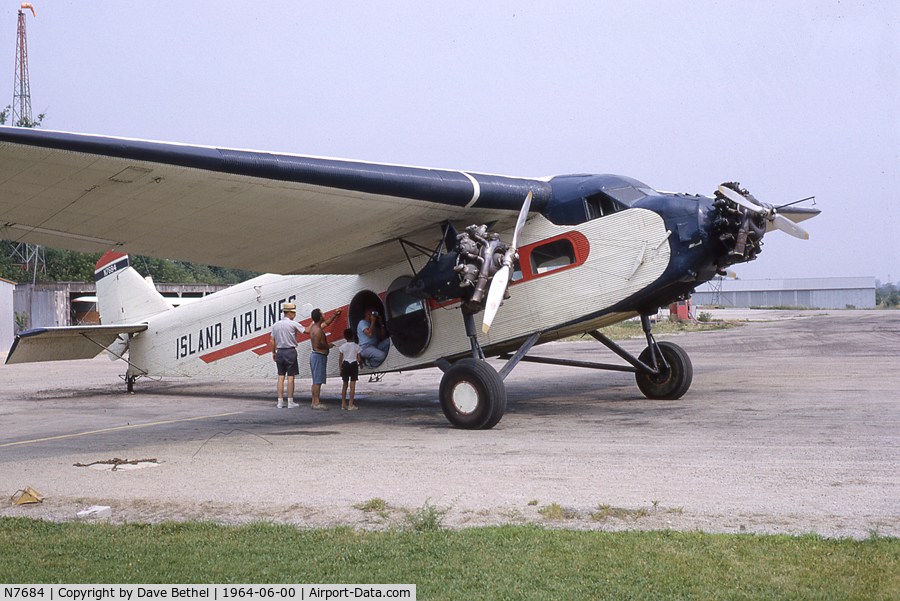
{"x":213,"y":592}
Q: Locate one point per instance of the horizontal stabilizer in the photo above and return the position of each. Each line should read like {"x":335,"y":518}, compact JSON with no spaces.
{"x":66,"y":343}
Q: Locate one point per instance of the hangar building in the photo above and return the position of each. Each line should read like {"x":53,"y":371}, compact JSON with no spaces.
{"x":53,"y":304}
{"x":810,"y":293}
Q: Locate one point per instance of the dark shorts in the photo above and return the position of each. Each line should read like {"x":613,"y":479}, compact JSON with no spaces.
{"x":286,"y":360}
{"x":350,"y":371}
{"x":317,"y":364}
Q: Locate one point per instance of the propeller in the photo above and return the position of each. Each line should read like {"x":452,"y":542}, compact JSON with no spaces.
{"x":768,"y":212}
{"x":500,"y":281}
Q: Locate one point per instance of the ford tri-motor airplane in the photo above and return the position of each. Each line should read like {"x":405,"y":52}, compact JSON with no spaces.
{"x":431,"y":250}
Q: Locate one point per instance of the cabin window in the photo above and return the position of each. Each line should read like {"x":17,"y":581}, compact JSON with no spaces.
{"x":403,"y":304}
{"x":551,"y":256}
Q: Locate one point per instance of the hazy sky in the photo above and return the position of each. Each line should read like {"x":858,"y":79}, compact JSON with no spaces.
{"x":791,"y":99}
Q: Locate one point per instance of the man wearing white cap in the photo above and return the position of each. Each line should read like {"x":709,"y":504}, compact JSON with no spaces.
{"x":283,"y":343}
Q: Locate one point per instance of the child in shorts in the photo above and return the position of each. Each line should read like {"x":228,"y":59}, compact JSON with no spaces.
{"x":349,"y":368}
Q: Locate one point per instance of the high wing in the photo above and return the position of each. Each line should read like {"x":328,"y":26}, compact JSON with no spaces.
{"x":65,"y":343}
{"x":260,"y":211}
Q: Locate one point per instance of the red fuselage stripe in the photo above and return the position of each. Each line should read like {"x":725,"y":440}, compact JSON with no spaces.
{"x":260,"y":344}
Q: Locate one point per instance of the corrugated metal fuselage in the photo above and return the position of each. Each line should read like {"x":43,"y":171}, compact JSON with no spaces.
{"x":620,"y":265}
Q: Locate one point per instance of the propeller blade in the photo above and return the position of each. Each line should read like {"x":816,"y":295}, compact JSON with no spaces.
{"x":740,"y":200}
{"x":789,"y":227}
{"x":500,"y":281}
{"x":495,"y":296}
{"x":779,"y":222}
{"x":523,"y":216}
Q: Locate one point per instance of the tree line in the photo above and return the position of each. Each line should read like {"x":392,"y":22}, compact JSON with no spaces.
{"x":887,"y":295}
{"x":71,"y":266}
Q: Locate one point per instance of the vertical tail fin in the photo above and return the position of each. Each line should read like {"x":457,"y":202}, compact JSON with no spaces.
{"x":123,"y":296}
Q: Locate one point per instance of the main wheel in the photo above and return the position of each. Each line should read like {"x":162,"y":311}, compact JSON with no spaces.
{"x":672,"y":382}
{"x":472,"y":395}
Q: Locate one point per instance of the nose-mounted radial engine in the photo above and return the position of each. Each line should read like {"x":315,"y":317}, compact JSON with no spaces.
{"x":742,"y":221}
{"x":739,"y":229}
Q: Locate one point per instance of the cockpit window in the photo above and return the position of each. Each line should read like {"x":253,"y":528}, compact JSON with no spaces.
{"x":628,"y":195}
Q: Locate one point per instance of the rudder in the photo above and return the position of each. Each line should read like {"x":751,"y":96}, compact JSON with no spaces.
{"x":123,"y":296}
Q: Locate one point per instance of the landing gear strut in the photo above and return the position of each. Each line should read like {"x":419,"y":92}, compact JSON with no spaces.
{"x":662,"y":371}
{"x":472,"y":393}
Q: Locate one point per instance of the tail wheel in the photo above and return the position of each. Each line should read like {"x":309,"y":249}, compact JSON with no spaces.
{"x":672,"y":381}
{"x":472,"y":395}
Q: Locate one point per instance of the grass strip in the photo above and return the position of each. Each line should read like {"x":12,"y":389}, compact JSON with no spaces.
{"x":633,"y":329}
{"x":507,"y":562}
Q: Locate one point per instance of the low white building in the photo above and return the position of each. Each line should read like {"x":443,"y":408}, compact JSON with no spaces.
{"x":810,"y":293}
{"x":7,"y":316}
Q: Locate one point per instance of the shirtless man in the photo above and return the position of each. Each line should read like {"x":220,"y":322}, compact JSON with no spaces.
{"x":318,"y":359}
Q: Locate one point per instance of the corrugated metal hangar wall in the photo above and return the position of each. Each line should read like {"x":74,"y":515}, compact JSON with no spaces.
{"x":811,"y":293}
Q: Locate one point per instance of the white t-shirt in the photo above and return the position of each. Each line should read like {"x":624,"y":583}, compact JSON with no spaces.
{"x":349,"y":350}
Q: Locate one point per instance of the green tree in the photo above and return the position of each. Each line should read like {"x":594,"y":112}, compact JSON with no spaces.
{"x":893,"y":299}
{"x":23,"y":121}
{"x":887,"y":295}
{"x":71,"y":266}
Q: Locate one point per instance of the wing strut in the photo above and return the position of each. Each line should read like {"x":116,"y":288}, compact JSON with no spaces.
{"x":108,"y":349}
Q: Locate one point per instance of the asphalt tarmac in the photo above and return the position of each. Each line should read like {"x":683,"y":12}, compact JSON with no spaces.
{"x":792,"y":425}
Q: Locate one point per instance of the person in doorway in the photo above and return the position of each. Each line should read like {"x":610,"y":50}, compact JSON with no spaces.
{"x":318,"y":359}
{"x":374,"y":341}
{"x":283,"y":344}
{"x":349,"y":368}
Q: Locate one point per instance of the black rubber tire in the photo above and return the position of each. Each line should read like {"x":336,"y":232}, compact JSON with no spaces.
{"x":472,"y":395}
{"x":672,"y":383}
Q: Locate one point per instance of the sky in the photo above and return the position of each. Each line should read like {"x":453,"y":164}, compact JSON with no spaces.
{"x":790,"y":99}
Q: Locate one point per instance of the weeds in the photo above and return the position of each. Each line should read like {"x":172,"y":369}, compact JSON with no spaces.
{"x":371,"y":505}
{"x":554,"y":511}
{"x":427,"y":518}
{"x":605,"y":512}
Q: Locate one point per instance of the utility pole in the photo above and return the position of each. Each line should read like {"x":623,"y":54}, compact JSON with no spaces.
{"x":29,"y":257}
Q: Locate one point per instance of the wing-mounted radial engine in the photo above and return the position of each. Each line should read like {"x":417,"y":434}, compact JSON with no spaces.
{"x":473,"y":266}
{"x":479,"y":256}
{"x":455,"y":268}
{"x":476,"y":269}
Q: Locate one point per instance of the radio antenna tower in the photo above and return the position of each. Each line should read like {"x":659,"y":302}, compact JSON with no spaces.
{"x":29,"y":257}
{"x":21,"y":106}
